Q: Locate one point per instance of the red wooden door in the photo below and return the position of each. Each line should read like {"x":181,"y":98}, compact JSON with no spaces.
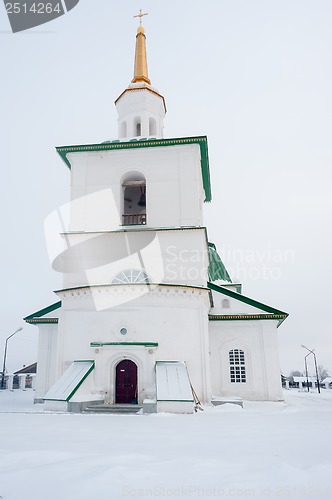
{"x":126,"y":382}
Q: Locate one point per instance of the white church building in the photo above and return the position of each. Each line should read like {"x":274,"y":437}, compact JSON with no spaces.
{"x":147,"y":314}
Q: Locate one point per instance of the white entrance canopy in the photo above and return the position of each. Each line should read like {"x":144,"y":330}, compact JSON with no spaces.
{"x":173,"y":382}
{"x":70,"y":381}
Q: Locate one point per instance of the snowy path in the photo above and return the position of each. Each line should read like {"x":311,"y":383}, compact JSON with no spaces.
{"x":267,"y":450}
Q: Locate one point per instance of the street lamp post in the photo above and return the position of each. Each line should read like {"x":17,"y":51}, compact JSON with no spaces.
{"x":306,"y":370}
{"x":311,"y":351}
{"x":5,"y":356}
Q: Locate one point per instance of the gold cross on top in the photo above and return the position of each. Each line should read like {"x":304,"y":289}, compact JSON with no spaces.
{"x":140,"y":15}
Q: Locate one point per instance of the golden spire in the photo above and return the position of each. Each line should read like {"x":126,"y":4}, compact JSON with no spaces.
{"x":141,"y":65}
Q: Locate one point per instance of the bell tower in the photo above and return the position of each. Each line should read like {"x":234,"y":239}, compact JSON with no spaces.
{"x":140,"y":107}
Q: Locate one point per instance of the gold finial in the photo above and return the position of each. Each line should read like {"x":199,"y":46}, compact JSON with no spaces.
{"x":140,"y":15}
{"x":141,"y":65}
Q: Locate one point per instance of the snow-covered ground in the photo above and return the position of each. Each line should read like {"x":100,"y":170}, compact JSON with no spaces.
{"x":266,"y":450}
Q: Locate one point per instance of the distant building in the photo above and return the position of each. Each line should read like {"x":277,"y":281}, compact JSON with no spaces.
{"x":21,"y":379}
{"x":27,"y":381}
{"x":327,"y":383}
{"x":27,"y":369}
{"x":285,"y":381}
{"x":303,"y":382}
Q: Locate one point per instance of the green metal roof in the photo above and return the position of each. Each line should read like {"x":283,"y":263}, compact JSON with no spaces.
{"x":37,"y":317}
{"x":147,"y":143}
{"x":216,"y":270}
{"x":275,"y":313}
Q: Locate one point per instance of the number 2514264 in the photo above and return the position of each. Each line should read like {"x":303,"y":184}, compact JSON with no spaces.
{"x":35,"y":8}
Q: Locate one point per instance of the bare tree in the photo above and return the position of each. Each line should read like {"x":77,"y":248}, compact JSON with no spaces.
{"x":322,"y":372}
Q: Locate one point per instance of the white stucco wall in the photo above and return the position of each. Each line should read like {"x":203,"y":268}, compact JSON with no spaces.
{"x":168,"y":256}
{"x":140,"y":105}
{"x":258,"y":340}
{"x":46,"y":361}
{"x":175,"y":318}
{"x":234,"y":306}
{"x":174,"y":188}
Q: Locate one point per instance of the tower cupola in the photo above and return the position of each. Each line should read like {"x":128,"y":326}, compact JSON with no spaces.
{"x":141,"y":109}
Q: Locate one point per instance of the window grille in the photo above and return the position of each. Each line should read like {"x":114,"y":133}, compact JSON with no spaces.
{"x":237,"y":366}
{"x":131,"y":276}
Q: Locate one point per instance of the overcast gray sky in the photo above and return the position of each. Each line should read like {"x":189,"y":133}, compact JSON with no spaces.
{"x":253,"y":75}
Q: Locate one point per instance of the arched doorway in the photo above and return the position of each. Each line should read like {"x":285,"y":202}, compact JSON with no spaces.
{"x":126,"y":382}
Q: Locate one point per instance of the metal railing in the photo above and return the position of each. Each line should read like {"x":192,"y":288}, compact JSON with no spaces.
{"x":133,"y":219}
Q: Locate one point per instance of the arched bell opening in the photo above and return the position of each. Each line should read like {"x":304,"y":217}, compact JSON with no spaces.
{"x":134,"y":200}
{"x":137,"y":127}
{"x":152,"y":126}
{"x":123,"y":130}
{"x":126,"y":387}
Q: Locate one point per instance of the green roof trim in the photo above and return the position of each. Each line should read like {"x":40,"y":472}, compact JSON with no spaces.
{"x":42,"y":321}
{"x":237,"y":317}
{"x":216,"y":270}
{"x":161,"y":361}
{"x":150,"y":143}
{"x":277,"y":314}
{"x":144,"y":344}
{"x":68,"y":383}
{"x":37,"y":317}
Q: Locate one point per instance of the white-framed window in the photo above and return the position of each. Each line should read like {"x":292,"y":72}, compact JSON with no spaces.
{"x":225,"y":304}
{"x":237,"y":366}
{"x":131,"y":276}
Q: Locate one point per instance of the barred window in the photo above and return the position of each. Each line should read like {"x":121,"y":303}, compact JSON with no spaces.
{"x":237,"y":366}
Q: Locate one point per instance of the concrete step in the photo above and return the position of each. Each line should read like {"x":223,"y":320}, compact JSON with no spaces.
{"x":222,"y":401}
{"x":114,"y":408}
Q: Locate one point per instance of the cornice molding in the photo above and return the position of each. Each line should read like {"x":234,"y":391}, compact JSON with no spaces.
{"x":239,"y":317}
{"x":147,"y":143}
{"x":132,"y":288}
